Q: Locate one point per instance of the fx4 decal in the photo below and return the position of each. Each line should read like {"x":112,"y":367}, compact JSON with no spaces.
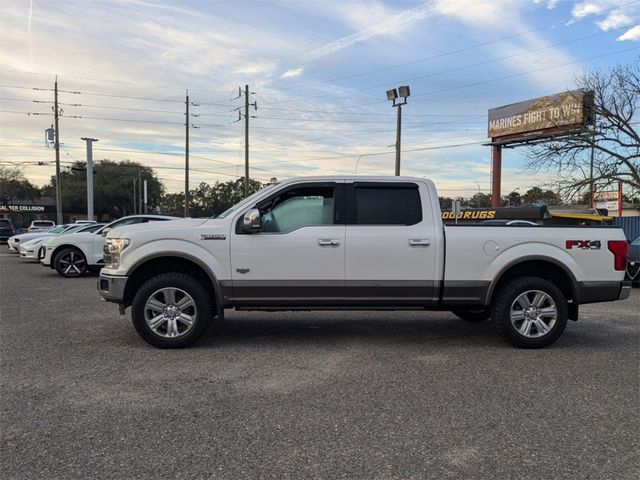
{"x":583,"y":244}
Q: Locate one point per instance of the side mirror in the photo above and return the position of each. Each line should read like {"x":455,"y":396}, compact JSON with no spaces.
{"x":105,"y":231}
{"x":251,"y":221}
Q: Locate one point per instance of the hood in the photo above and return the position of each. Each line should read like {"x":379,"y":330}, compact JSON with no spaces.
{"x":30,"y":236}
{"x":33,"y":241}
{"x":165,"y":227}
{"x":74,"y":238}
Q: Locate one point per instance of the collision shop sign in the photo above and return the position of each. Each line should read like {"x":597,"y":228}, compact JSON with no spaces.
{"x":564,"y":112}
{"x":19,"y":208}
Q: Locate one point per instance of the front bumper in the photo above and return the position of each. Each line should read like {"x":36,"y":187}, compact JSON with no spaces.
{"x":112,"y":288}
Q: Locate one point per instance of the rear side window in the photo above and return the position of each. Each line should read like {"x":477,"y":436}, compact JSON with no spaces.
{"x":387,"y":205}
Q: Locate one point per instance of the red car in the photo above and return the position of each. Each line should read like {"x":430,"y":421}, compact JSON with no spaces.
{"x":6,"y":230}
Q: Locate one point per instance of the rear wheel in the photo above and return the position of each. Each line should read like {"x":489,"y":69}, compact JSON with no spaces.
{"x":70,"y":263}
{"x":473,"y":315}
{"x":172,"y":310}
{"x":530,"y":312}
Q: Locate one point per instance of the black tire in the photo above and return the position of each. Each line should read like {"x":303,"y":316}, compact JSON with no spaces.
{"x":70,"y":263}
{"x":473,"y":314}
{"x":505,"y":299}
{"x":202,"y":313}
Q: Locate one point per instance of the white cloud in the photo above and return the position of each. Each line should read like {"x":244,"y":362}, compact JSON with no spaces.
{"x":296,"y":72}
{"x":479,"y":12}
{"x":614,"y":20}
{"x":584,"y":9}
{"x":632,"y":34}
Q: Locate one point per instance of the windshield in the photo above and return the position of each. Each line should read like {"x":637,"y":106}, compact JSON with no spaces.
{"x":243,"y":202}
{"x":90,"y":228}
{"x":59,"y":229}
{"x":636,"y":241}
{"x":71,"y":230}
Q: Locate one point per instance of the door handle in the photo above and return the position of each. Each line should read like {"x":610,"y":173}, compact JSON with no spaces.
{"x":329,"y":242}
{"x":415,"y":242}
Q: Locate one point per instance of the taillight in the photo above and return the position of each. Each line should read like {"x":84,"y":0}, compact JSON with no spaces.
{"x":620,"y":250}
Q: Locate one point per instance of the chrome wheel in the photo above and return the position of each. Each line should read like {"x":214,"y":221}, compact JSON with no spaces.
{"x":72,"y":264}
{"x":533,"y":313}
{"x":170,"y":312}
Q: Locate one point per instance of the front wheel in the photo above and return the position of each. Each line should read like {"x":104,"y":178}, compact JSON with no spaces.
{"x":530,"y":312}
{"x":171,"y":310}
{"x":70,"y":263}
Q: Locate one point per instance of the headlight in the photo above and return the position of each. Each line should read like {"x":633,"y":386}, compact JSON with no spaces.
{"x":113,"y":247}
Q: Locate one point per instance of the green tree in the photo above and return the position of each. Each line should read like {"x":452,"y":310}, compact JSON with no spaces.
{"x":13,"y":184}
{"x":537,"y":196}
{"x":513,"y":199}
{"x":112,"y":187}
{"x":479,"y":200}
{"x":208,"y":200}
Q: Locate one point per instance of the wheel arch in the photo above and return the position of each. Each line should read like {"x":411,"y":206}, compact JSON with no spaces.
{"x":163,"y":262}
{"x":545,"y":267}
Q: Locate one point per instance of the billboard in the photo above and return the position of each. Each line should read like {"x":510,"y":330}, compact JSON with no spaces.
{"x":557,"y":114}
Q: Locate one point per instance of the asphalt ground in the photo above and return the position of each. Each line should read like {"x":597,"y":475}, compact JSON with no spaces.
{"x":393,"y":395}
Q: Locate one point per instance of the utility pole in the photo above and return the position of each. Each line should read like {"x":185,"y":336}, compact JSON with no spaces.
{"x":140,"y":190}
{"x":186,"y":157}
{"x":246,"y":115}
{"x":56,"y":114}
{"x":145,"y":196}
{"x":135,"y":195}
{"x":89,"y":142}
{"x":591,"y":184}
{"x":246,"y":140}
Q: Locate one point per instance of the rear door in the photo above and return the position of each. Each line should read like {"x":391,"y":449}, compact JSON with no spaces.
{"x":390,"y":245}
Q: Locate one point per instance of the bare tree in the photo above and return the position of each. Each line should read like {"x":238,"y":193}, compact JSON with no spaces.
{"x":613,"y":141}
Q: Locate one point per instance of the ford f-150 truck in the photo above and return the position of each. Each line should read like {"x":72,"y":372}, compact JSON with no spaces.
{"x":357,"y":243}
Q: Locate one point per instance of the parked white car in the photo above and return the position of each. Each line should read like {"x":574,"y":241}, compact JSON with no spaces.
{"x":33,"y":249}
{"x":73,"y":255}
{"x":14,"y":242}
{"x":41,"y":226}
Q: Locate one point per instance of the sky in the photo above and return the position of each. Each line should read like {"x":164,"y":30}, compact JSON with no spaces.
{"x":317,"y":70}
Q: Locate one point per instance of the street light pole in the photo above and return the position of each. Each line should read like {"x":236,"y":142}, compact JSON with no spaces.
{"x":398,"y":128}
{"x":393,"y":95}
{"x":89,"y":142}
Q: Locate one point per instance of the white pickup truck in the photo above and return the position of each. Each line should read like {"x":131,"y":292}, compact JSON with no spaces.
{"x":357,"y":243}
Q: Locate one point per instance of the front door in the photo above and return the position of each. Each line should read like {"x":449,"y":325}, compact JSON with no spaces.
{"x":297,"y":257}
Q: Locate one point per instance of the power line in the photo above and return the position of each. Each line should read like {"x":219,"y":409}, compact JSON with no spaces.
{"x":448,"y":53}
{"x":504,"y":77}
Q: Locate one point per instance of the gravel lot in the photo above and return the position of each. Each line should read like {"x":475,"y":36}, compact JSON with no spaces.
{"x":308,"y":395}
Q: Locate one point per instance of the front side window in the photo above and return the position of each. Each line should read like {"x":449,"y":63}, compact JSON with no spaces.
{"x":387,"y":205}
{"x":298,"y":207}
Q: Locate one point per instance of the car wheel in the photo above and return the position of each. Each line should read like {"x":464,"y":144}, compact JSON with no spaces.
{"x":172,"y":310}
{"x":530,"y":312}
{"x":473,"y":315}
{"x":70,"y":263}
